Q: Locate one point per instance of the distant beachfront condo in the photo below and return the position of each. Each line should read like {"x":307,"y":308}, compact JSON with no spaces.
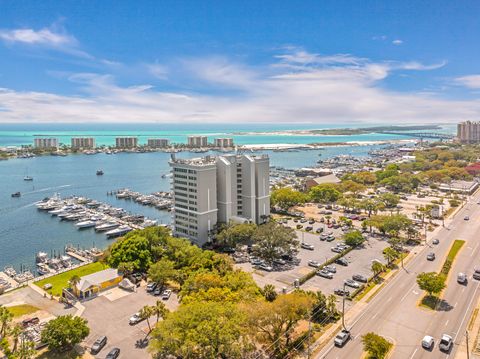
{"x":218,"y":189}
{"x":468,"y":132}
{"x":83,"y":143}
{"x":223,"y":142}
{"x":158,"y":142}
{"x":197,"y":141}
{"x":45,"y":142}
{"x":126,"y":142}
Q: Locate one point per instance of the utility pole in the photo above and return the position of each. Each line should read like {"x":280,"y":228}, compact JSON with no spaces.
{"x":309,"y":335}
{"x":468,"y":350}
{"x":343,"y":307}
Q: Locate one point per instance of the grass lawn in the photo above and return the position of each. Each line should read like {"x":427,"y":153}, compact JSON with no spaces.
{"x":455,"y":248}
{"x":60,"y":281}
{"x":23,"y":309}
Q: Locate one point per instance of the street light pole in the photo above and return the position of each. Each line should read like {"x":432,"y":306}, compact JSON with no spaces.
{"x":468,"y":350}
{"x":343,"y":307}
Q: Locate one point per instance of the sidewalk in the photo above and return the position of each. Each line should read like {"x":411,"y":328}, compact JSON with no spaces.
{"x":473,"y":335}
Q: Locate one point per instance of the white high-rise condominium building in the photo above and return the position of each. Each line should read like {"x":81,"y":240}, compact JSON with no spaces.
{"x":158,"y":142}
{"x":197,"y":141}
{"x":126,"y":142}
{"x":45,"y":142}
{"x":468,"y":132}
{"x":218,"y":189}
{"x":83,"y":142}
{"x":223,"y":142}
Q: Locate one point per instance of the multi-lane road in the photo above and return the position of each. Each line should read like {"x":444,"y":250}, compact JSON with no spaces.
{"x":394,"y":312}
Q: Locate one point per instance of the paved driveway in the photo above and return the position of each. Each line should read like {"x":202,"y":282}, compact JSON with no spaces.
{"x":110,"y":317}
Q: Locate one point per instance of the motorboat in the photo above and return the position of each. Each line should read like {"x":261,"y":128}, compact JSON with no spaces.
{"x":16,"y":194}
{"x":99,"y":173}
{"x":10,"y":271}
{"x":28,"y":178}
{"x":41,"y":257}
{"x":85,"y":224}
{"x":42,"y":269}
{"x":66,"y":261}
{"x":117,"y":232}
{"x":106,"y":226}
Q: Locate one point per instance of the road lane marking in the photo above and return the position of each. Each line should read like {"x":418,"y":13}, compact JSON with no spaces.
{"x":415,"y":352}
{"x":466,"y":312}
{"x":389,"y":299}
{"x":375,"y":316}
{"x":455,"y":304}
{"x":446,"y":323}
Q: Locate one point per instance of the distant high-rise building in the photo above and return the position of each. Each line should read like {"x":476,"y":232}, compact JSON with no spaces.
{"x":83,"y":142}
{"x":197,"y":141}
{"x":126,"y":142}
{"x":468,"y":132}
{"x":158,"y":142}
{"x":45,"y":142}
{"x":218,"y":189}
{"x":223,"y":142}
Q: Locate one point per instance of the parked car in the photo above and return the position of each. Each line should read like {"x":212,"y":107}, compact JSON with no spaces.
{"x":319,"y":230}
{"x":313,"y":263}
{"x":428,"y":342}
{"x":352,"y":283}
{"x":360,"y":278}
{"x":312,"y":221}
{"x":323,"y":237}
{"x":476,"y":274}
{"x":134,"y":319}
{"x":98,"y":345}
{"x":299,"y":226}
{"x":336,"y":250}
{"x":325,"y":274}
{"x":303,"y":220}
{"x":151,"y":287}
{"x":307,"y":246}
{"x":265,"y":267}
{"x":341,"y":338}
{"x":330,"y":238}
{"x":113,"y":354}
{"x":157,"y":291}
{"x":445,"y":343}
{"x":462,"y":278}
{"x":342,"y":261}
{"x":431,"y":256}
{"x":30,"y":321}
{"x":166,"y":294}
{"x":341,"y":292}
{"x":435,"y":241}
{"x":331,"y":268}
{"x":279,"y":262}
{"x":466,"y":218}
{"x":309,"y":228}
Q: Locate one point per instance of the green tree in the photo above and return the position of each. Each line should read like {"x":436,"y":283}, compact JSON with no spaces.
{"x":269,"y":292}
{"x":352,"y":187}
{"x":389,"y":199}
{"x":15,"y":333}
{"x":390,"y":255}
{"x":375,"y":345}
{"x":377,"y":268}
{"x":235,"y":234}
{"x":272,"y":240}
{"x":145,"y":313}
{"x":64,"y":332}
{"x":325,"y":193}
{"x":162,"y":271}
{"x":133,"y":249}
{"x":74,"y":280}
{"x":26,"y":350}
{"x":5,"y":319}
{"x":202,"y":330}
{"x":431,"y":282}
{"x":353,"y":238}
{"x":286,"y":197}
{"x":160,"y":310}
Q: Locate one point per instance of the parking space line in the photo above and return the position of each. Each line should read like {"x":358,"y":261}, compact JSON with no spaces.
{"x":415,"y":352}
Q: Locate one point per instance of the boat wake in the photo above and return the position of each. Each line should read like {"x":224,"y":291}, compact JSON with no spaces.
{"x":48,"y":189}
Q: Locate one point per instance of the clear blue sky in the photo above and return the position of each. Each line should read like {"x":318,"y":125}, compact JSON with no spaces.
{"x":239,"y":60}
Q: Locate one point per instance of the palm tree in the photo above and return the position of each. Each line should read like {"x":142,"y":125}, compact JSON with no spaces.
{"x":159,"y":310}
{"x":269,"y":292}
{"x":145,"y":313}
{"x":5,"y":318}
{"x":331,"y":305}
{"x":15,"y":333}
{"x":377,"y":268}
{"x":74,"y":280}
{"x":390,"y":255}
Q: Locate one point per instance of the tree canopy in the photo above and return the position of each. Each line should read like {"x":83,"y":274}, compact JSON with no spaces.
{"x":64,"y":332}
{"x":325,"y":193}
{"x":273,"y":240}
{"x":431,"y":282}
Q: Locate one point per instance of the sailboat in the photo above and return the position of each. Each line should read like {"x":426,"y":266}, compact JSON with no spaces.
{"x":27,"y":177}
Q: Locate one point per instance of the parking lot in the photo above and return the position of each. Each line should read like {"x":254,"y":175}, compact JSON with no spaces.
{"x":109,"y":313}
{"x":359,"y":261}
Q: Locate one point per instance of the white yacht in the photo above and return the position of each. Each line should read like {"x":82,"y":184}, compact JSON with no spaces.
{"x":85,"y":224}
{"x":120,"y":231}
{"x":41,"y":257}
{"x":42,"y":269}
{"x":106,"y":226}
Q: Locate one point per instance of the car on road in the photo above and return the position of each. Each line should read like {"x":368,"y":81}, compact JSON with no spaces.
{"x":360,"y":278}
{"x":466,"y":218}
{"x":98,"y":345}
{"x":331,"y":268}
{"x":341,"y":292}
{"x":428,"y":342}
{"x":476,"y":274}
{"x":431,"y":256}
{"x":307,"y":246}
{"x":113,"y":354}
{"x":265,"y":267}
{"x":166,"y":294}
{"x":435,"y":241}
{"x":342,"y":261}
{"x":151,"y":287}
{"x":342,"y":338}
{"x":325,"y":274}
{"x":461,"y":278}
{"x":134,"y":319}
{"x":352,"y":283}
{"x":446,"y":343}
{"x":313,"y":263}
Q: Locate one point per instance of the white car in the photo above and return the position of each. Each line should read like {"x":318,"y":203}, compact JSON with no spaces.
{"x":428,"y":342}
{"x":313,"y":263}
{"x":166,"y":294}
{"x":446,"y":343}
{"x":307,"y":246}
{"x":134,"y":319}
{"x":461,"y":278}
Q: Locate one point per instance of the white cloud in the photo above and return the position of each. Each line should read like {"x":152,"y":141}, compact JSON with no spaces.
{"x":397,"y":42}
{"x":313,"y":89}
{"x":41,"y":37}
{"x":470,"y":81}
{"x":157,"y":70}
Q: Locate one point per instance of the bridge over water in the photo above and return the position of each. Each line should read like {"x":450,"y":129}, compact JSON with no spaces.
{"x":440,"y":136}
